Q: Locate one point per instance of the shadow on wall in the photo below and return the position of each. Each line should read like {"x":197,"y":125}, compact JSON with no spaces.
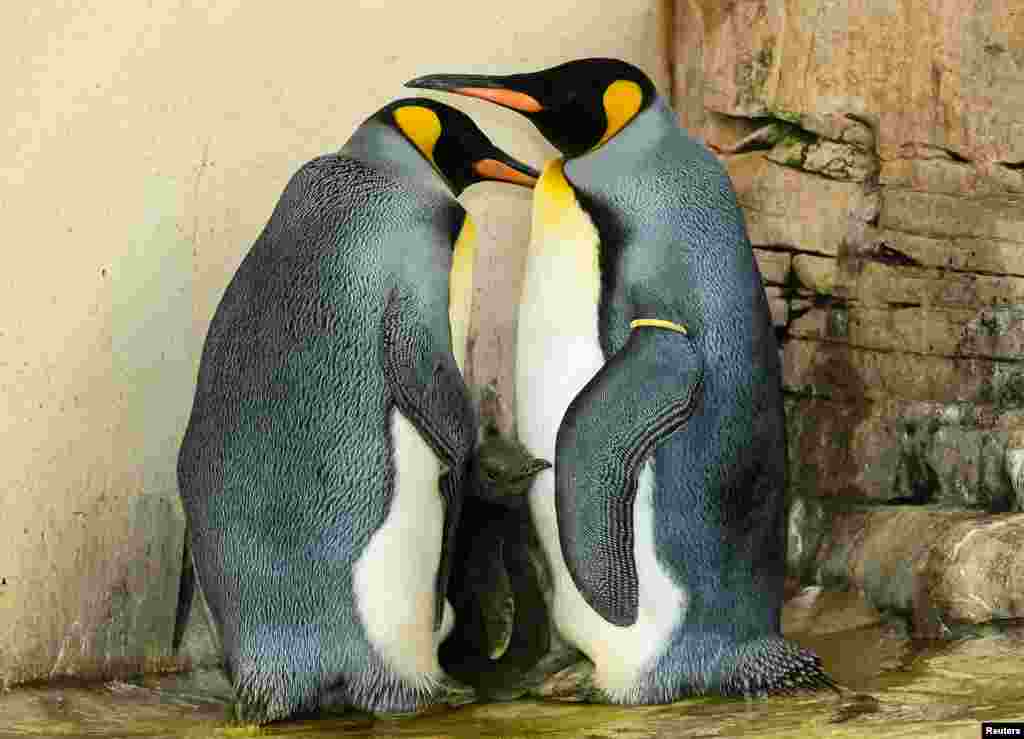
{"x":94,"y":579}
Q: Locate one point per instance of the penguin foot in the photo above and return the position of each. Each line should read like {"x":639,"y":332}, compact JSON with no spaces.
{"x":854,"y":705}
{"x":573,"y":684}
{"x":564,"y":676}
{"x":249,"y":713}
{"x":454,"y":693}
{"x":447,"y":693}
{"x":774,"y":666}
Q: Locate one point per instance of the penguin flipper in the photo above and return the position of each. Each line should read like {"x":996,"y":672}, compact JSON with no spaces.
{"x":641,"y":395}
{"x":429,"y":390}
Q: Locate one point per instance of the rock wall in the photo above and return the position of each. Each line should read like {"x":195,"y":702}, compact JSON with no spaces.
{"x":878,"y":152}
{"x":877,"y":149}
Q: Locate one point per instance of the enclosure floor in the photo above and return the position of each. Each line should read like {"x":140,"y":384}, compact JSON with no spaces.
{"x":897,"y":688}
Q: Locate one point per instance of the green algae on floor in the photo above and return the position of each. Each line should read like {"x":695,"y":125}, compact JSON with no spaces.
{"x":897,"y":688}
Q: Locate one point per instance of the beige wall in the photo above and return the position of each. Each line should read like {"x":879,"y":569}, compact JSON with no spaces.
{"x":146,"y":148}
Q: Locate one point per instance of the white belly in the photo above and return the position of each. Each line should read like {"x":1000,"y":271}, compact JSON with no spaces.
{"x":557,"y":353}
{"x":395,"y":577}
{"x":557,"y":349}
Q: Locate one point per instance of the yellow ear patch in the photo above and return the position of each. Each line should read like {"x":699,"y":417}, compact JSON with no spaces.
{"x":622,"y":101}
{"x":422,"y":126}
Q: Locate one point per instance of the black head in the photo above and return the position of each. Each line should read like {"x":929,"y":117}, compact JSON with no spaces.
{"x":577,"y":105}
{"x":451,"y":141}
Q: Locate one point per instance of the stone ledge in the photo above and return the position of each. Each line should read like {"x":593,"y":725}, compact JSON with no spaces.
{"x":785,"y":206}
{"x":819,"y":611}
{"x":841,"y":371}
{"x":939,"y":173}
{"x":774,"y":265}
{"x":995,"y":332}
{"x":939,"y":214}
{"x":877,"y":283}
{"x":938,"y":568}
{"x":831,"y":159}
{"x":960,"y":254}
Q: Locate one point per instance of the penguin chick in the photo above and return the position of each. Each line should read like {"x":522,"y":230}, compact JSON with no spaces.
{"x":648,"y":369}
{"x":504,"y":469}
{"x":324,"y":461}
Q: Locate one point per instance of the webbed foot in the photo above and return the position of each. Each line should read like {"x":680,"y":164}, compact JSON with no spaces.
{"x":566,"y":676}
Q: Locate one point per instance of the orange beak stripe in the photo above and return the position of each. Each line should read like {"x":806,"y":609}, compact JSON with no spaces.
{"x":508,"y":98}
{"x":492,"y":169}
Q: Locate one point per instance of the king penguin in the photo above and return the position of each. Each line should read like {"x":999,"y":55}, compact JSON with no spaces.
{"x":323,"y":464}
{"x":647,"y":367}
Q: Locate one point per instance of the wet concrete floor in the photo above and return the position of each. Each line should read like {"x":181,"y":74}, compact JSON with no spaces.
{"x":896,"y":687}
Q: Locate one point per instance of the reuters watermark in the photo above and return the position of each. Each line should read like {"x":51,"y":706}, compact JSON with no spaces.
{"x":1002,"y":728}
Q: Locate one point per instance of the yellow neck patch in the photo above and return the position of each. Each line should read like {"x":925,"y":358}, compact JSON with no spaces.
{"x":622,"y":101}
{"x":562,"y":229}
{"x":422,"y":126}
{"x":553,"y":195}
{"x":658,"y":323}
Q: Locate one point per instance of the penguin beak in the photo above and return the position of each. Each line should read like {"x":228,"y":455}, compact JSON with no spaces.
{"x":534,"y":467}
{"x":504,"y":168}
{"x":493,"y":89}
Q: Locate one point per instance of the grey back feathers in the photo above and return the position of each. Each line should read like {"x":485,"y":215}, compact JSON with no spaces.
{"x":286,"y":465}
